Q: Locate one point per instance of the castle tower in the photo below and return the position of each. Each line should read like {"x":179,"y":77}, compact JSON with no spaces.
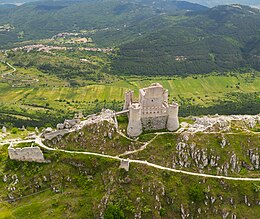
{"x":134,"y":127}
{"x":173,"y":121}
{"x":165,"y":96}
{"x":128,"y":99}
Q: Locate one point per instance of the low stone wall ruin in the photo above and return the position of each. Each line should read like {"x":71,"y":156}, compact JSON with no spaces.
{"x":26,"y":154}
{"x":53,"y":134}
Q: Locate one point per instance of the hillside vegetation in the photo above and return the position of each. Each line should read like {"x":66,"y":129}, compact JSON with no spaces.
{"x":153,"y":37}
{"x":219,"y":39}
{"x":84,"y":186}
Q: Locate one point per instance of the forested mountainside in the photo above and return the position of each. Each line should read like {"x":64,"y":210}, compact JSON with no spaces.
{"x":219,"y":39}
{"x":209,"y":3}
{"x":46,"y":18}
{"x":152,"y":37}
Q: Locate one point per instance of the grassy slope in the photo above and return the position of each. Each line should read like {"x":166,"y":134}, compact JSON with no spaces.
{"x":93,"y":180}
{"x":3,"y":68}
{"x":95,"y":138}
{"x":163,"y":149}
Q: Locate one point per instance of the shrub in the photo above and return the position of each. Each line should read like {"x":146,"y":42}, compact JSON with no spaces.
{"x":162,"y":212}
{"x":14,"y":130}
{"x":196,"y":194}
{"x":113,"y":212}
{"x":168,"y":145}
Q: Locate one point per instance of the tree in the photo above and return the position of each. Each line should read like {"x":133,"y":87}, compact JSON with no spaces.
{"x":113,"y":212}
{"x":196,"y":194}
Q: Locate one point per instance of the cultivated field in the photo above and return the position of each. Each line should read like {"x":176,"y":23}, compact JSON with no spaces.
{"x":203,"y":89}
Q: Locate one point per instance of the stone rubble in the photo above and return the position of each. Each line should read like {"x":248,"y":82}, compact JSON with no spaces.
{"x":76,"y":124}
{"x":220,"y":123}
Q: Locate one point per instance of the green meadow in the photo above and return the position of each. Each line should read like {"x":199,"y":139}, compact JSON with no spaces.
{"x":203,"y":89}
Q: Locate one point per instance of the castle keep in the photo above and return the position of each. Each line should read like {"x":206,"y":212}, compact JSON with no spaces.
{"x":152,"y":112}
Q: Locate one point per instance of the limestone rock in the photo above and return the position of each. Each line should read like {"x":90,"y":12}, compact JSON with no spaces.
{"x":5,"y":178}
{"x":225,"y":215}
{"x":233,"y":161}
{"x":4,"y":129}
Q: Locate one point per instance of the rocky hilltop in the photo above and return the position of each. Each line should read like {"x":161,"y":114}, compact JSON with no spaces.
{"x":209,"y":167}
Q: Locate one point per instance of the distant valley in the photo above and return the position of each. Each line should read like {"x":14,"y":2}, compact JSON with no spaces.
{"x":171,"y":38}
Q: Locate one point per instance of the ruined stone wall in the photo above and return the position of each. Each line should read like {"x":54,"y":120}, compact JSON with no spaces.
{"x":26,"y":154}
{"x":154,"y":123}
{"x":124,"y":164}
{"x":62,"y":129}
{"x":51,"y":135}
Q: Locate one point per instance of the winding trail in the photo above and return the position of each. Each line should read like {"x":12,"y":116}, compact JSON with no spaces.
{"x":11,"y":73}
{"x":140,"y":149}
{"x":39,"y":142}
{"x":9,"y":65}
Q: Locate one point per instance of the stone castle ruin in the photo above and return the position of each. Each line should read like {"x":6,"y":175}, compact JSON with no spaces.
{"x":151,"y":112}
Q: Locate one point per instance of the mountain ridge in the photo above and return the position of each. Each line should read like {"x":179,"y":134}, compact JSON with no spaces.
{"x":213,"y":3}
